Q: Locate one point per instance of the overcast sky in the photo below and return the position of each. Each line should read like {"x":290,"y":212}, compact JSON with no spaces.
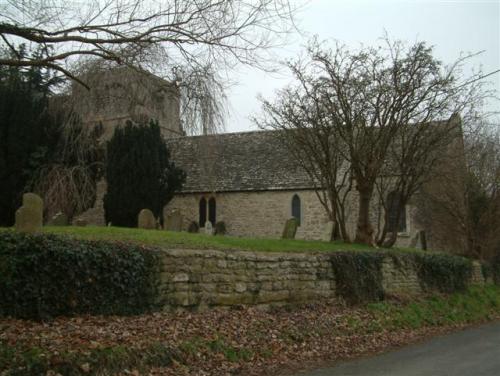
{"x":451,"y":26}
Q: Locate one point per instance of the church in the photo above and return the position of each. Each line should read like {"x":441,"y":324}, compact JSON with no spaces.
{"x":248,"y":180}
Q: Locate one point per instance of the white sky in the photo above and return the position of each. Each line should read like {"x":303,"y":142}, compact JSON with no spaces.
{"x":451,"y":26}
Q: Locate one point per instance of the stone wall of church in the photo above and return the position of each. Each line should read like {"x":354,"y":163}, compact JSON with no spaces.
{"x":257,"y":214}
{"x":263,"y":214}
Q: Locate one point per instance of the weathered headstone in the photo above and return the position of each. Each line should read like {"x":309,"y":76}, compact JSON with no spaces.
{"x":32,"y":200}
{"x":59,"y":219}
{"x":146,"y":219}
{"x":173,"y":221}
{"x":80,"y":222}
{"x":420,"y":240}
{"x":29,"y":217}
{"x":209,"y":230}
{"x":327,"y":234}
{"x":290,"y":228}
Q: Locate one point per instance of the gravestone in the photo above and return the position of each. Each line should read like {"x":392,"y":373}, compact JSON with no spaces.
{"x":29,"y":217}
{"x":146,"y":220}
{"x":32,"y":200}
{"x":421,"y":241}
{"x":173,"y":221}
{"x":327,"y":233}
{"x":59,"y":219}
{"x":290,"y":228}
{"x":80,"y":222}
{"x":209,"y":230}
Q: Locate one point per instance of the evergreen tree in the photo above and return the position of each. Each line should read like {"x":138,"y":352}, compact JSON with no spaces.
{"x":139,"y":173}
{"x":27,"y":131}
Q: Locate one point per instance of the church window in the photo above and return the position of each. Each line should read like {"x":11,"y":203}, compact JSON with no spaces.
{"x":203,"y":212}
{"x":396,"y":213}
{"x":296,"y":210}
{"x":212,"y":210}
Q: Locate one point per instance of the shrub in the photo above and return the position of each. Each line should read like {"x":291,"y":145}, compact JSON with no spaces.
{"x":358,"y":276}
{"x":444,"y":273}
{"x":42,"y":276}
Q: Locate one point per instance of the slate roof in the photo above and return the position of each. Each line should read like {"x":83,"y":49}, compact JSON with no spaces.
{"x":231,"y":162}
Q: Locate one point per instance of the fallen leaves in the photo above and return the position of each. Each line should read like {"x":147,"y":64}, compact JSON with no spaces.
{"x":246,"y":341}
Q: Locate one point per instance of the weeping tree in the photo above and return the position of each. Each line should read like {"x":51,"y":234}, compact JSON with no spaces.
{"x":67,"y":181}
{"x":139,"y":173}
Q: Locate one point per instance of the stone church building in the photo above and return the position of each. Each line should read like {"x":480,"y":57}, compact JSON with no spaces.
{"x":247,"y":180}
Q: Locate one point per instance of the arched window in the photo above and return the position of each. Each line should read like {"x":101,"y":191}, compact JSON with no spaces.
{"x":212,"y":210}
{"x":396,"y":213}
{"x":203,"y":212}
{"x":296,"y":208}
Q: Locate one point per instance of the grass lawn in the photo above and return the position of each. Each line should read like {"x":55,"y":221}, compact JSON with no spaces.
{"x":186,"y":240}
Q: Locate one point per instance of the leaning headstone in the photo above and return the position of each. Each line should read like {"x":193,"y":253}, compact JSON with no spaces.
{"x":146,"y":220}
{"x":59,"y":219}
{"x":327,"y":234}
{"x":290,"y":229}
{"x":209,"y":230}
{"x":173,"y":221}
{"x":29,"y":217}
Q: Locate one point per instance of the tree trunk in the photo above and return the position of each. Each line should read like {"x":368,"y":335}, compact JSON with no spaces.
{"x":364,"y":230}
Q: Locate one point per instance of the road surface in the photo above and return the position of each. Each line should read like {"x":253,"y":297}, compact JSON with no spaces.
{"x":472,"y":352}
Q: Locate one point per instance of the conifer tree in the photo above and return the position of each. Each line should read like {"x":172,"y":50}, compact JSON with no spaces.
{"x":139,"y":173}
{"x":27,"y":131}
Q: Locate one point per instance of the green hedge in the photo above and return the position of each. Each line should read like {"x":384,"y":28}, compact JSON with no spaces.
{"x":443,"y":273}
{"x":358,"y":276}
{"x":43,"y":276}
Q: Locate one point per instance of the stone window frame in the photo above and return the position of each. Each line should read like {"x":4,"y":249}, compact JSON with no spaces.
{"x":207,"y":198}
{"x":403,"y":230}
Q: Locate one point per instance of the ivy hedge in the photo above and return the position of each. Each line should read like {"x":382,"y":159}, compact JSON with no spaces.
{"x":43,"y":276}
{"x":443,"y":273}
{"x":359,"y":275}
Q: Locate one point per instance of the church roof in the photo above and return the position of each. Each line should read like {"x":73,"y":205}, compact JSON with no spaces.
{"x":231,"y":162}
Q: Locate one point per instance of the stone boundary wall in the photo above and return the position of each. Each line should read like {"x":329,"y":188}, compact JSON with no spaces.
{"x":205,"y":278}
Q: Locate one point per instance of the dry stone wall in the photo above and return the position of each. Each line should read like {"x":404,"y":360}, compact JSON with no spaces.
{"x":203,"y":278}
{"x":225,"y":278}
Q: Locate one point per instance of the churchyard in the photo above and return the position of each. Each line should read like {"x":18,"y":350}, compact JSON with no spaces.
{"x":147,"y":229}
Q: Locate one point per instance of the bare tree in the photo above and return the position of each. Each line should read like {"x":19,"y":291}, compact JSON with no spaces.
{"x":303,"y":125}
{"x":151,"y":34}
{"x":381,"y":100}
{"x":189,"y":42}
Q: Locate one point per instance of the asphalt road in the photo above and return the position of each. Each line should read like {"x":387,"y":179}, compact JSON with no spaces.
{"x":473,"y":352}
